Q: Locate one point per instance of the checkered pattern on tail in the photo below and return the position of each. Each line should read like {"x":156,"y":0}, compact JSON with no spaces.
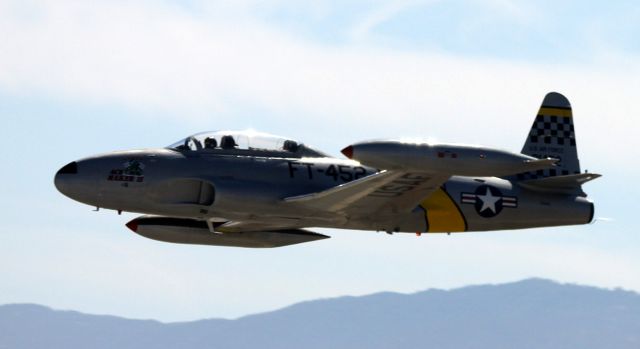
{"x":553,"y":135}
{"x":552,"y":130}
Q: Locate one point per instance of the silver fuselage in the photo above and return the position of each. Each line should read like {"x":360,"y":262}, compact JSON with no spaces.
{"x":224,"y":187}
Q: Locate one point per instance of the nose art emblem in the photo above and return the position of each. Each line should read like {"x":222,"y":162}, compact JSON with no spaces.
{"x":131,"y":171}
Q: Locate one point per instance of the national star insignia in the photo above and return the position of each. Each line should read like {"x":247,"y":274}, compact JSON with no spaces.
{"x":488,"y":201}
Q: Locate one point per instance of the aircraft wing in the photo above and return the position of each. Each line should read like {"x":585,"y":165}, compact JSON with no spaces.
{"x":247,"y":226}
{"x":389,"y":191}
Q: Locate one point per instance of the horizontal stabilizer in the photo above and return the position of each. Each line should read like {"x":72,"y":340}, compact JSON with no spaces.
{"x":540,"y":164}
{"x":569,"y":184}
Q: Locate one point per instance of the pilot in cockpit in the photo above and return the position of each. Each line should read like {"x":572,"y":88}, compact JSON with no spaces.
{"x":227,"y":142}
{"x":290,"y":145}
{"x":210,"y":143}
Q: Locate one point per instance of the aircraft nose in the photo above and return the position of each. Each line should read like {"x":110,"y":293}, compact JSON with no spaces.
{"x":70,"y":168}
{"x":64,"y":176}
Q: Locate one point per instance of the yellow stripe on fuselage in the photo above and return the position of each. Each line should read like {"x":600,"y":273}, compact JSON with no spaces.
{"x":566,"y":113}
{"x":442,"y":213}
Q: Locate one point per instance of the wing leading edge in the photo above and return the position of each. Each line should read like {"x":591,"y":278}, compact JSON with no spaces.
{"x":386,"y":191}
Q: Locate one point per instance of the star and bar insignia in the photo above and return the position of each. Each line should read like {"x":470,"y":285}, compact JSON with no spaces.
{"x":488,"y":201}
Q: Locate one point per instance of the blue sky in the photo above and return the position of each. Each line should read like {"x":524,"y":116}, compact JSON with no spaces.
{"x":83,"y":78}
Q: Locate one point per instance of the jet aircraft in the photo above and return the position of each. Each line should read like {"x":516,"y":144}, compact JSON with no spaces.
{"x":250,"y":189}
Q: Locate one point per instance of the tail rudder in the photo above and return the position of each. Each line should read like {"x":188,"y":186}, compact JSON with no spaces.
{"x":553,"y":135}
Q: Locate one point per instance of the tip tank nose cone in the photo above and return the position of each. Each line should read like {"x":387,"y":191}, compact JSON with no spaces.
{"x":133,"y":225}
{"x":348,"y":152}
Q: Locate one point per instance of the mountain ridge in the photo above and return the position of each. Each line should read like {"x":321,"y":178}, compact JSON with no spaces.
{"x":530,"y":313}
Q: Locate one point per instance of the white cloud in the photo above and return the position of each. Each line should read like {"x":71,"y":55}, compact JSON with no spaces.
{"x":164,"y":58}
{"x":522,"y":11}
{"x":380,"y":15}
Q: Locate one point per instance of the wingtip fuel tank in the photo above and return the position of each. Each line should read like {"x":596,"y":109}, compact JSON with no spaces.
{"x":455,"y":159}
{"x":196,"y":232}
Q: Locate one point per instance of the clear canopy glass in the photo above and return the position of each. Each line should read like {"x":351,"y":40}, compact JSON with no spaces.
{"x":239,"y":142}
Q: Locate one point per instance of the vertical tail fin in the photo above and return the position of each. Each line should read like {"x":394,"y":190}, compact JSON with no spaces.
{"x":553,"y":135}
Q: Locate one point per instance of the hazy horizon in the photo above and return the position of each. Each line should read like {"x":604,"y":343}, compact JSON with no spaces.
{"x":346,"y":296}
{"x":489,"y":316}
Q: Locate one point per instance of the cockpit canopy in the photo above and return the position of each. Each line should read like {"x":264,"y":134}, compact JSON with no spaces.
{"x":245,"y":143}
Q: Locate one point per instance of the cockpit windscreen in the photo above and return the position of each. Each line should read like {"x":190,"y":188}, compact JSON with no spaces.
{"x":245,"y":142}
